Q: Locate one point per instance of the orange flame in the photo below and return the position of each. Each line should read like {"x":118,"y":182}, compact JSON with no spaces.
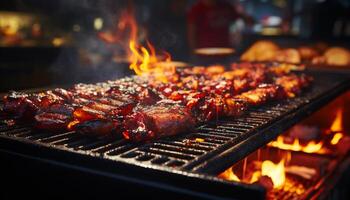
{"x":145,"y":62}
{"x":310,"y":147}
{"x":337,"y":126}
{"x":229,"y":175}
{"x":143,"y":59}
{"x":275,"y":171}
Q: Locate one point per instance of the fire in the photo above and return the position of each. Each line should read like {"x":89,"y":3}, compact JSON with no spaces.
{"x":337,"y":124}
{"x":145,"y":62}
{"x":336,"y":138}
{"x":275,"y":171}
{"x":229,"y":175}
{"x":310,"y":147}
{"x":337,"y":127}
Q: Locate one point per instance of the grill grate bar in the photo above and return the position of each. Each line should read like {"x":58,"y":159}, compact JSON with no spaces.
{"x":169,"y":153}
{"x":16,"y":131}
{"x":120,"y":149}
{"x":196,"y":145}
{"x":54,"y":138}
{"x":108,"y":147}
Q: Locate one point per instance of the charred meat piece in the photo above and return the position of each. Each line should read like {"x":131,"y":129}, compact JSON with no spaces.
{"x":202,"y":107}
{"x":260,"y":95}
{"x":121,"y":105}
{"x":59,"y":108}
{"x":160,"y":120}
{"x":56,"y":117}
{"x":233,"y":107}
{"x":98,"y":127}
{"x":64,"y":94}
{"x":140,"y":93}
{"x":14,"y":104}
{"x":22,"y":106}
{"x":51,"y":121}
{"x":85,"y":114}
{"x":293,"y":84}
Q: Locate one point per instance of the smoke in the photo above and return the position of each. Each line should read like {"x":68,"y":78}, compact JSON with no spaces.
{"x":88,"y":58}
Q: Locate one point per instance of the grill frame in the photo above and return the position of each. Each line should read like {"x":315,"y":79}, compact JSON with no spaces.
{"x":201,"y":175}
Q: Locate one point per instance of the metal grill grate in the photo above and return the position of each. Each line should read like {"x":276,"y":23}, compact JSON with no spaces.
{"x":225,"y":140}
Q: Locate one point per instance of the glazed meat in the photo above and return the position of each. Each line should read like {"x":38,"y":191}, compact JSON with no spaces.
{"x":98,"y":127}
{"x":260,"y":95}
{"x":51,"y":121}
{"x":292,"y":84}
{"x":162,"y":119}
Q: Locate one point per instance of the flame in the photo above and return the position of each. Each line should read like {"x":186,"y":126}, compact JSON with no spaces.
{"x":144,"y":61}
{"x":337,"y":126}
{"x":275,"y":171}
{"x":310,"y":147}
{"x":336,"y":138}
{"x":229,"y":175}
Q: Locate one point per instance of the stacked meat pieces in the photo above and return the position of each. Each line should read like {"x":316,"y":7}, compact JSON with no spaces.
{"x":143,"y":108}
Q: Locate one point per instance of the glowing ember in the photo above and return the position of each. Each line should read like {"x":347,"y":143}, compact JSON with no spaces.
{"x":275,"y":171}
{"x":310,"y":147}
{"x":199,"y":140}
{"x":336,"y":138}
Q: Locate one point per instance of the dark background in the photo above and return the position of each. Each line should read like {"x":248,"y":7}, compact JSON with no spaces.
{"x":29,"y":61}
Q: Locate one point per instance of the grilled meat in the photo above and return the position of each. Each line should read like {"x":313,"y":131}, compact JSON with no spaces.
{"x":51,"y":121}
{"x":98,"y":127}
{"x":162,"y":119}
{"x":260,"y":95}
{"x":292,"y":84}
{"x":144,"y":108}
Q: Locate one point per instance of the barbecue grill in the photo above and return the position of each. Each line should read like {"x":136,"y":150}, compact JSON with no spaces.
{"x":184,"y":165}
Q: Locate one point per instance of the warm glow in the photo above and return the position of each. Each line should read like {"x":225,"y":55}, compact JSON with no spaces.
{"x":275,"y":171}
{"x":72,"y":124}
{"x":98,"y":23}
{"x":144,"y":60}
{"x":199,"y":140}
{"x":229,"y":175}
{"x":58,"y":41}
{"x":336,"y":138}
{"x":310,"y":147}
{"x":337,"y":124}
